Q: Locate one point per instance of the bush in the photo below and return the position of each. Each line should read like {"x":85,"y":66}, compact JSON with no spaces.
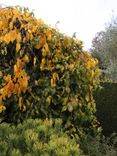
{"x":36,"y":137}
{"x":44,"y":73}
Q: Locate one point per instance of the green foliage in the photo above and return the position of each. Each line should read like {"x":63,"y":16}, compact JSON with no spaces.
{"x":44,"y":73}
{"x":99,"y":145}
{"x":110,"y":74}
{"x":46,"y":138}
{"x":104,"y":48}
{"x":106,"y":100}
{"x":36,"y":138}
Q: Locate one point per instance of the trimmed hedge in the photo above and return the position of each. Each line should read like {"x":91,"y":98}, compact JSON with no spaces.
{"x":106,"y":100}
{"x":37,"y":138}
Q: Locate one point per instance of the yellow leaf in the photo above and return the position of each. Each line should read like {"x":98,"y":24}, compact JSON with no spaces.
{"x":49,"y":65}
{"x":16,"y":88}
{"x":70,"y":107}
{"x":10,"y":37}
{"x":34,"y":62}
{"x":65,"y":101}
{"x":67,"y":90}
{"x":76,"y":40}
{"x":30,"y":36}
{"x":4,"y":93}
{"x":53,"y":79}
{"x":89,"y":64}
{"x":23,"y":84}
{"x":89,"y":106}
{"x":11,"y":25}
{"x":24,"y":108}
{"x":18,"y":37}
{"x":2,"y":108}
{"x":1,"y":102}
{"x":1,"y":25}
{"x":20,"y":102}
{"x":41,"y":42}
{"x":45,"y":50}
{"x":1,"y":74}
{"x":9,"y":88}
{"x":55,"y":76}
{"x":92,"y":74}
{"x":53,"y":84}
{"x":7,"y":78}
{"x":67,"y":42}
{"x":20,"y":63}
{"x":42,"y":64}
{"x":27,"y":102}
{"x":71,"y":66}
{"x":87,"y":97}
{"x":49,"y":37}
{"x":80,"y":105}
{"x":26,"y":58}
{"x":18,"y":46}
{"x":7,"y":38}
{"x":16,"y":70}
{"x":48,"y":100}
{"x":34,"y":28}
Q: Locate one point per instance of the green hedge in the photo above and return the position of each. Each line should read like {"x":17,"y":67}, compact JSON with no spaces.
{"x":37,"y":138}
{"x":106,"y":100}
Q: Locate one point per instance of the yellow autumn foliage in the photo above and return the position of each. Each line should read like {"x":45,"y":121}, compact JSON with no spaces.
{"x":44,"y":72}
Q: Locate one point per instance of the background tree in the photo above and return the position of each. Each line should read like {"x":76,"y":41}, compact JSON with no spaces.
{"x":104,"y":47}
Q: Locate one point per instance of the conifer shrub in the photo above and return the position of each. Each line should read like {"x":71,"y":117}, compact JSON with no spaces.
{"x":36,"y":138}
{"x":44,"y":73}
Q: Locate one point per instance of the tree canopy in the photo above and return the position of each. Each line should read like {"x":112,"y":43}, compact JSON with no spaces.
{"x":104,"y":47}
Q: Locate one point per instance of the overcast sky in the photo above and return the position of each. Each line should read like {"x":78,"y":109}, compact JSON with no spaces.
{"x":86,"y":17}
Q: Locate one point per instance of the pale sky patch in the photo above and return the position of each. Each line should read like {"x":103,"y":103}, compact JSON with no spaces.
{"x":86,"y":17}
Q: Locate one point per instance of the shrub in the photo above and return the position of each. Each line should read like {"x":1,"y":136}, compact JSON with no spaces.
{"x":44,"y":73}
{"x":36,"y":137}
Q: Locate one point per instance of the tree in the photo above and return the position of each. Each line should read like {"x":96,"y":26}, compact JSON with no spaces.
{"x":104,"y":47}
